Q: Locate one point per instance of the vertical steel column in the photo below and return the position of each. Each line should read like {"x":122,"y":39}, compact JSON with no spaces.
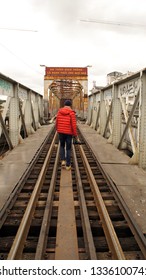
{"x":97,"y":126}
{"x":142,"y":123}
{"x":46,"y":100}
{"x":50,"y":105}
{"x":14,"y":117}
{"x":103,"y":115}
{"x":28,"y":115}
{"x":90,"y":109}
{"x":36,"y":112}
{"x":40,"y":110}
{"x":117,"y":118}
{"x":93,"y":111}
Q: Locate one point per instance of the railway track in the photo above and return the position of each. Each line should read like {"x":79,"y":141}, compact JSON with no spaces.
{"x":58,"y":214}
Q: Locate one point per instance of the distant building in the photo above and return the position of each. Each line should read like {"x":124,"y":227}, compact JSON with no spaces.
{"x":111,"y":78}
{"x":116,"y":76}
{"x":95,"y":88}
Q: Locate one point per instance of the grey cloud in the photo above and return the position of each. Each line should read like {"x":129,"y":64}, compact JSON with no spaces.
{"x":59,"y":10}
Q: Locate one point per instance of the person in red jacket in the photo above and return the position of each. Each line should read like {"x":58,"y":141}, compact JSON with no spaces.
{"x":67,"y":128}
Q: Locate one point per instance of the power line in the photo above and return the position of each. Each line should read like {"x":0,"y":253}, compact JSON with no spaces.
{"x":113,"y":23}
{"x":16,"y":29}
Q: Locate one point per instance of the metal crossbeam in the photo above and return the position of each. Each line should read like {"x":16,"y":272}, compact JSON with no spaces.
{"x":128,"y":121}
{"x":5,"y":132}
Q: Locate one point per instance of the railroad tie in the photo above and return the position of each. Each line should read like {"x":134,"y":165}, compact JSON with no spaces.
{"x":66,"y":239}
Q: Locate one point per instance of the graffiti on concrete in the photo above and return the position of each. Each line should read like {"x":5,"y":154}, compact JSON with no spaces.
{"x":129,"y":88}
{"x":6,"y":88}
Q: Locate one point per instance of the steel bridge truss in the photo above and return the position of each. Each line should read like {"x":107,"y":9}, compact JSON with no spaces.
{"x":118,"y":113}
{"x":21,"y":111}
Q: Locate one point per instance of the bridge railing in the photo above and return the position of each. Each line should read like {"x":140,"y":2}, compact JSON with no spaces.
{"x":21,"y":111}
{"x":118,"y":113}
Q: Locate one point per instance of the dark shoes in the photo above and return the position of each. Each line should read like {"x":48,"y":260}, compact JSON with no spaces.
{"x":63,"y":165}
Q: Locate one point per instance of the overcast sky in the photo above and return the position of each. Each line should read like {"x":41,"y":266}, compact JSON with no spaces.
{"x":63,"y":40}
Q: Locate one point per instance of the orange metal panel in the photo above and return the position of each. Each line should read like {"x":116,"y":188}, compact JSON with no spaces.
{"x":66,"y":72}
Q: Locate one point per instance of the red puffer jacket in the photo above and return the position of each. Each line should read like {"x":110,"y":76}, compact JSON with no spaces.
{"x":66,"y":121}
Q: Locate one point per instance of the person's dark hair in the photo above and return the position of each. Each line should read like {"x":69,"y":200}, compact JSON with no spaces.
{"x":67,"y":103}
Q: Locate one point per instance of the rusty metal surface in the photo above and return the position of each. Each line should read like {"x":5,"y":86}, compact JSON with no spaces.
{"x":65,"y":72}
{"x":47,"y":213}
{"x":112,"y":239}
{"x":66,"y":240}
{"x":89,"y":229}
{"x":66,"y":88}
{"x":14,"y":164}
{"x":84,"y":213}
{"x":66,"y":81}
{"x":20,"y":238}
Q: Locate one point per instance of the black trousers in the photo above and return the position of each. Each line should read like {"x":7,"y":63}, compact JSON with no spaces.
{"x":65,"y":147}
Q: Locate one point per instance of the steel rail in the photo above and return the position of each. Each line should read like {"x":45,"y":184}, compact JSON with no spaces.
{"x":17,"y":189}
{"x":18,"y":243}
{"x":136,"y":230}
{"x":42,"y":241}
{"x":111,"y":237}
{"x":84,"y":213}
